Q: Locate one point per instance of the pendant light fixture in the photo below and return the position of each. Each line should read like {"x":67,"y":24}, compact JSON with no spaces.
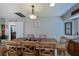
{"x":33,"y":16}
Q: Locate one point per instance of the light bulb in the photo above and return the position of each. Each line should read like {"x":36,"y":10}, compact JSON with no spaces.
{"x":32,"y":16}
{"x":52,"y":4}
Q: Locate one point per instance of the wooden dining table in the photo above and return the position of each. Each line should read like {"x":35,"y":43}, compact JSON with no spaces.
{"x":37,"y":49}
{"x":2,"y":49}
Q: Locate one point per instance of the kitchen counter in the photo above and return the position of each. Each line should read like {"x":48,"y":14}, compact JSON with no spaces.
{"x":73,"y":47}
{"x":76,"y":40}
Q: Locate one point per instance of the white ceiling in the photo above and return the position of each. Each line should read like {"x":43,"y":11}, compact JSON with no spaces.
{"x":7,"y":10}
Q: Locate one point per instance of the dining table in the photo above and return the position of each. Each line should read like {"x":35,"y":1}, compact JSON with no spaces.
{"x":2,"y":48}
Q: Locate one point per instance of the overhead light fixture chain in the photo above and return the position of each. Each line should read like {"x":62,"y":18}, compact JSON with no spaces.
{"x":32,"y":9}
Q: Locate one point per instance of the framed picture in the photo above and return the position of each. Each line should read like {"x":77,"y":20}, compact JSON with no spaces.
{"x":68,"y":28}
{"x":3,"y":29}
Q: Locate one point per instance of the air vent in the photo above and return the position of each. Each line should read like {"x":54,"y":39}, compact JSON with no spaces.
{"x":75,"y":12}
{"x":19,"y":14}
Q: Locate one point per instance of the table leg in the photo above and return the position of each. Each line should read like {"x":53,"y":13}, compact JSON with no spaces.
{"x":55,"y":52}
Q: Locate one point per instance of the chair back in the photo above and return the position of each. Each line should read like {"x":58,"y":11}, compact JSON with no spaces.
{"x":50,"y":45}
{"x":63,"y":40}
{"x":28,"y":48}
{"x":42,"y":37}
{"x":11,"y":48}
{"x":47,"y":48}
{"x":2,"y":50}
{"x":51,"y":40}
{"x":30,"y":36}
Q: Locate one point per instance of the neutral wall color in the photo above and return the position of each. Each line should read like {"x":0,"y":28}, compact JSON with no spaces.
{"x":68,"y":16}
{"x":53,"y":27}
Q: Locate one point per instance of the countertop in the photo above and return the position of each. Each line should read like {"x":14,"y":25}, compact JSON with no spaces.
{"x":76,"y":40}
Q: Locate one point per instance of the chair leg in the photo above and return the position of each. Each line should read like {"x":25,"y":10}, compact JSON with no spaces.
{"x":63,"y":53}
{"x":0,"y":54}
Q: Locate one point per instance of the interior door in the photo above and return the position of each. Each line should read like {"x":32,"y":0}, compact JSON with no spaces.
{"x":19,"y":29}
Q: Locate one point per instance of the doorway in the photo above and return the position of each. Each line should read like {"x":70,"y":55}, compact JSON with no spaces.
{"x":15,"y":30}
{"x":12,"y":30}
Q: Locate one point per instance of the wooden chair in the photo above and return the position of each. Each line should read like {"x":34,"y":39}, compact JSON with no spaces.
{"x":28,"y":48}
{"x":20,"y":38}
{"x":63,"y":40}
{"x":42,"y":37}
{"x":62,"y":47}
{"x":31,"y":37}
{"x":2,"y":50}
{"x":19,"y":46}
{"x":11,"y":48}
{"x":3,"y":41}
{"x":47,"y":48}
{"x":51,"y":40}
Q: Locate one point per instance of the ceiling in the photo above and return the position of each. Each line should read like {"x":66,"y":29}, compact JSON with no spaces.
{"x":7,"y":10}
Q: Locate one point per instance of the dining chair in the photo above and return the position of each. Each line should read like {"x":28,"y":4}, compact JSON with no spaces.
{"x":51,"y":40}
{"x":19,"y":46}
{"x":2,"y":50}
{"x":31,"y":37}
{"x":42,"y":37}
{"x":62,"y":47}
{"x":28,"y":48}
{"x":47,"y":48}
{"x":11,"y":48}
